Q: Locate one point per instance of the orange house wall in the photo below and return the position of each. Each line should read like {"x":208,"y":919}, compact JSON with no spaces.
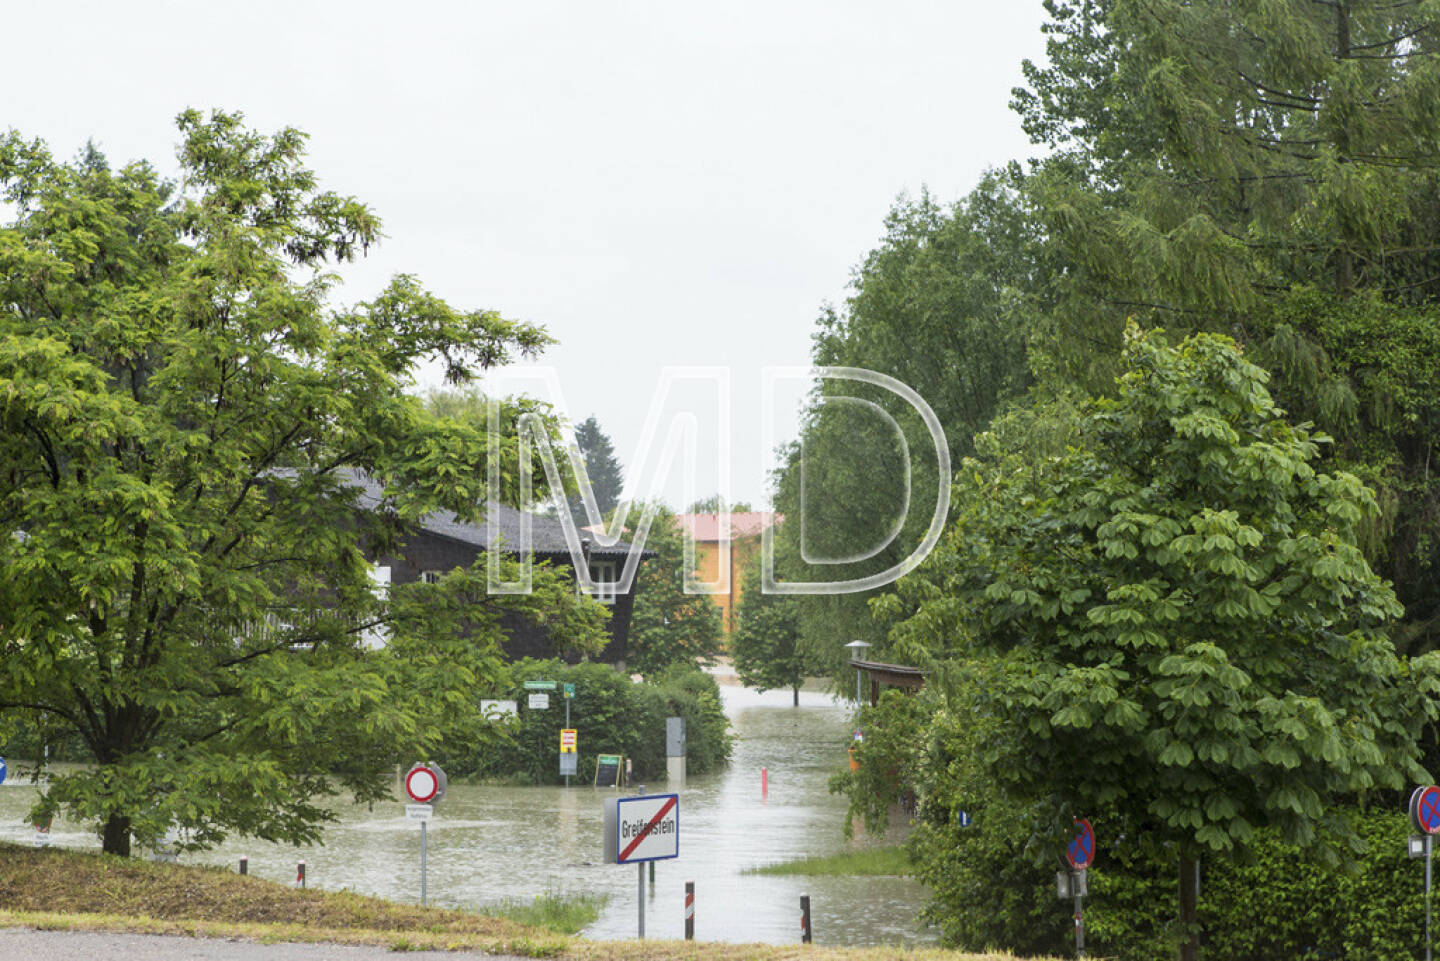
{"x":744,"y":551}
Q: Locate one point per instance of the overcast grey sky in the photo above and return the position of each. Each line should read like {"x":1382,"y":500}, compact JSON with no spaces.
{"x":656,"y":183}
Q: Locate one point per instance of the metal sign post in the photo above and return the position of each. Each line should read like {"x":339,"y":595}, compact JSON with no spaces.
{"x":426,"y":784}
{"x":569,"y":746}
{"x":640,"y":897}
{"x":568,"y":691}
{"x":1080,"y":854}
{"x":1425,"y":816}
{"x":640,"y":829}
{"x":421,"y":813}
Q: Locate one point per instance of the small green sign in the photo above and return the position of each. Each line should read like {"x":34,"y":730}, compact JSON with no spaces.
{"x":608,"y":772}
{"x":569,"y":690}
{"x":539,"y":685}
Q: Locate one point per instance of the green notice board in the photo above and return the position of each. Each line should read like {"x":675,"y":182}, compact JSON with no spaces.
{"x":609,"y":769}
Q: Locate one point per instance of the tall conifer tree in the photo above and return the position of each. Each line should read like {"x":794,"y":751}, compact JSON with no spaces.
{"x":607,"y":478}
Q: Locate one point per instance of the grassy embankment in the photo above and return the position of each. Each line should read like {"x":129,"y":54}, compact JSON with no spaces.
{"x":868,"y":862}
{"x":563,"y":913}
{"x":55,"y":889}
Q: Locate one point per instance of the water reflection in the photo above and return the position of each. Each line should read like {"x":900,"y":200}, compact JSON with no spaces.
{"x":493,"y":843}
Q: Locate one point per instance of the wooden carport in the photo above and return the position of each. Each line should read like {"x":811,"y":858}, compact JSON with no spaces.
{"x":881,"y":675}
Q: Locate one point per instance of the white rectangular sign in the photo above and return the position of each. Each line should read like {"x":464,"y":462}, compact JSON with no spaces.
{"x":419,"y":812}
{"x":498,"y":709}
{"x":646,"y":828}
{"x":539,"y":702}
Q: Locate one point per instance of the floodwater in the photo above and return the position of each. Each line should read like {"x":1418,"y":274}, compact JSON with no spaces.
{"x":488,"y":844}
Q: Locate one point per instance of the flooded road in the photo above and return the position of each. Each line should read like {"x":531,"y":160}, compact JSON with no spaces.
{"x":494,"y":843}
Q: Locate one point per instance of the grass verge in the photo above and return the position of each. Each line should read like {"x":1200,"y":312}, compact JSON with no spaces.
{"x":58,"y":890}
{"x":871,"y":862}
{"x":562,"y":913}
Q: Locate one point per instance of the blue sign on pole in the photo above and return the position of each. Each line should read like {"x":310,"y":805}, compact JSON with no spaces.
{"x":2,"y":770}
{"x":1425,"y":809}
{"x":1081,"y":850}
{"x":962,"y":818}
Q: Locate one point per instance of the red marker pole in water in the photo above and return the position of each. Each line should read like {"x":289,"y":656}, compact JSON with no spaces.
{"x":764,"y":782}
{"x":689,"y":910}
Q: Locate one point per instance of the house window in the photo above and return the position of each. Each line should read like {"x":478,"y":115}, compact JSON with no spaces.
{"x":602,"y":575}
{"x":376,"y":637}
{"x":431,"y":577}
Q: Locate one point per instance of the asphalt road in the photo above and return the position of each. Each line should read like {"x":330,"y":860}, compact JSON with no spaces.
{"x":88,"y":946}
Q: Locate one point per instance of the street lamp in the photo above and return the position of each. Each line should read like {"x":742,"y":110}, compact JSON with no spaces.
{"x":857,"y":650}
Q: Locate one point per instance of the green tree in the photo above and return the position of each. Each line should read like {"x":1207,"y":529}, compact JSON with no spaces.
{"x":1269,"y":171}
{"x":614,"y":715}
{"x":767,"y":646}
{"x":943,"y":304}
{"x":607,"y":478}
{"x":668,"y":626}
{"x":1178,"y":623}
{"x":186,"y":556}
{"x":715,"y":504}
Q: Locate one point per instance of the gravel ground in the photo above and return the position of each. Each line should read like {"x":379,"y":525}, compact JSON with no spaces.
{"x":88,"y":946}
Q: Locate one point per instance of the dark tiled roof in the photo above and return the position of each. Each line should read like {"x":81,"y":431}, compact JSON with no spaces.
{"x":547,"y":535}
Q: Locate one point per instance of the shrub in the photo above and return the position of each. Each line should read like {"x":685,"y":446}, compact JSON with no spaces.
{"x":1276,"y":905}
{"x":1267,"y":903}
{"x":612,"y":714}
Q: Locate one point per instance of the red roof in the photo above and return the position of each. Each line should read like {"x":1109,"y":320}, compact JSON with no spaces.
{"x":706,"y":527}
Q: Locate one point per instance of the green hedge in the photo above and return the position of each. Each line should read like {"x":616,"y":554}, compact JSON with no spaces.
{"x":1278,"y":905}
{"x":989,"y":890}
{"x":613,"y":716}
{"x":1268,"y":903}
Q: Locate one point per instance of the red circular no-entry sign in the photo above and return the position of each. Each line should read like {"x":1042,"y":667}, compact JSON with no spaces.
{"x":422,"y":784}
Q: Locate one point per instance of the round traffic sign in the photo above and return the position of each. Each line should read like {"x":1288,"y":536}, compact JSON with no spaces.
{"x":1425,"y":809}
{"x":1080,"y":852}
{"x":422,"y":784}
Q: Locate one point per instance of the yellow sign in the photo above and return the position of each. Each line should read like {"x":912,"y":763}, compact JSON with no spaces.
{"x":568,"y":739}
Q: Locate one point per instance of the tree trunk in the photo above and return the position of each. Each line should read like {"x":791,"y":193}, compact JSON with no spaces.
{"x":117,"y":836}
{"x":1189,"y":894}
{"x":796,"y":692}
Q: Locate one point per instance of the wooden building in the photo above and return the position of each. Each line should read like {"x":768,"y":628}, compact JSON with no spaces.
{"x":442,"y":542}
{"x":881,"y":675}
